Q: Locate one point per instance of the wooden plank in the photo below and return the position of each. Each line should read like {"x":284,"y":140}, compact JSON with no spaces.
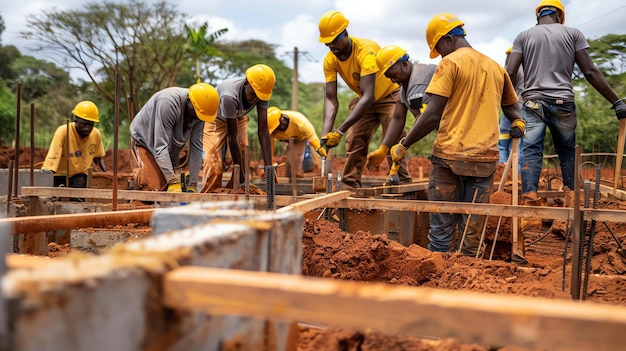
{"x":487,"y":319}
{"x":318,"y":202}
{"x":36,"y":224}
{"x":480,"y":209}
{"x":158,"y":196}
{"x":391,"y":189}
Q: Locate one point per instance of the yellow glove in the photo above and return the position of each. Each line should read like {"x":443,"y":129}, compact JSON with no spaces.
{"x":321,"y":152}
{"x":518,"y":128}
{"x":191,"y":189}
{"x":377,"y":156}
{"x":398,"y":152}
{"x":175,"y":188}
{"x":332,"y":139}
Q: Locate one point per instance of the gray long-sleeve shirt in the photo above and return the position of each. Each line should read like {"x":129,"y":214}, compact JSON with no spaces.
{"x":159,"y":127}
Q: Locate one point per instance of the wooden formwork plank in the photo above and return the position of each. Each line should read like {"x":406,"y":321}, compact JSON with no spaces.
{"x":616,"y":216}
{"x":159,"y":196}
{"x":318,"y":202}
{"x":35,"y":224}
{"x":470,"y":317}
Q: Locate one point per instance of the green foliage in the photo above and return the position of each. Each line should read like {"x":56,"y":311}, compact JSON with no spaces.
{"x":200,"y":44}
{"x":7,"y":114}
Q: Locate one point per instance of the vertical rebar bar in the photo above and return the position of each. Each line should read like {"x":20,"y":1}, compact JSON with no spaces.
{"x":116,"y":124}
{"x":577,"y":246}
{"x":32,"y":144}
{"x":16,"y":166}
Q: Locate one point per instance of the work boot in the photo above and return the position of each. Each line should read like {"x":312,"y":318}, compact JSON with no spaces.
{"x":531,"y":199}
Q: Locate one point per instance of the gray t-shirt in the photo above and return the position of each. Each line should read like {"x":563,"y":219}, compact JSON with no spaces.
{"x":159,"y":127}
{"x":231,"y":95}
{"x":548,"y":57}
{"x":414,"y":96}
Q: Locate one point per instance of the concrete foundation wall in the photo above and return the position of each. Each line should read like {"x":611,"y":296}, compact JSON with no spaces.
{"x":112,"y":301}
{"x":39,"y":179}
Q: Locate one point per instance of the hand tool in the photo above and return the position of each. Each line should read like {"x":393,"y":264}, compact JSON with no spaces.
{"x":393,"y":178}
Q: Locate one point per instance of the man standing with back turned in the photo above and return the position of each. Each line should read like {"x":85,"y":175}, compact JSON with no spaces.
{"x":548,"y":52}
{"x":354,"y":59}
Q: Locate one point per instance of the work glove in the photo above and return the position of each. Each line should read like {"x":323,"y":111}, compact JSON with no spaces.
{"x":377,"y":156}
{"x":331,"y":139}
{"x":191,"y":188}
{"x":175,"y":188}
{"x":620,"y":109}
{"x":398,"y":152}
{"x":321,"y":151}
{"x":518,"y":128}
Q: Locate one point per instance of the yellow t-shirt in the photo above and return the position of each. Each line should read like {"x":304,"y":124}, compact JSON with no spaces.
{"x":362,"y":62}
{"x":82,"y":151}
{"x":476,"y":88}
{"x":300,"y":128}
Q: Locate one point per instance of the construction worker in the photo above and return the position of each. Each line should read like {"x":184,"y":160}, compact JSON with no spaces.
{"x":82,"y":142}
{"x":464,"y":106}
{"x":170,"y":119}
{"x":284,"y":125}
{"x":238,"y":96}
{"x":548,"y":52}
{"x":354,"y":60}
{"x":504,"y":142}
{"x":413,"y":78}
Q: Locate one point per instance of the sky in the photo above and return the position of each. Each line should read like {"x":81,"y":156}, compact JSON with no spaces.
{"x":491,"y":25}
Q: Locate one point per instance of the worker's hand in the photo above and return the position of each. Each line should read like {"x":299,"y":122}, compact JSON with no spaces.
{"x":398,"y":152}
{"x":175,"y":188}
{"x":620,"y":109}
{"x":518,"y":128}
{"x":377,"y":156}
{"x":321,"y":151}
{"x":332,"y":139}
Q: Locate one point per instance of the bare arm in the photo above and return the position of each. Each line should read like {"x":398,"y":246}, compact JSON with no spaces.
{"x":367,"y":85}
{"x":396,"y":126}
{"x":428,"y":121}
{"x":264,"y":136}
{"x":331,"y":104}
{"x":100,"y":162}
{"x":594,"y":76}
{"x":233,"y":144}
{"x":512,"y":66}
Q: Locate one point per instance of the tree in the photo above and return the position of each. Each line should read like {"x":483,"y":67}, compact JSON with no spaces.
{"x":143,"y":42}
{"x":594,"y":114}
{"x":200,"y":44}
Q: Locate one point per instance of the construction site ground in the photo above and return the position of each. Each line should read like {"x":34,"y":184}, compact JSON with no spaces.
{"x":367,"y":256}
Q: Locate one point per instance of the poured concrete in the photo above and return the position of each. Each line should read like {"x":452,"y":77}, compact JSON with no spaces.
{"x":112,"y":301}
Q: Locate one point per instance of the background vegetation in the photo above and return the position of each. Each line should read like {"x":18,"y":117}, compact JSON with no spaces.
{"x":149,"y":47}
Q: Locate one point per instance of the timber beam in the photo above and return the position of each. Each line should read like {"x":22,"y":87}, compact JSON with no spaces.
{"x":487,"y":319}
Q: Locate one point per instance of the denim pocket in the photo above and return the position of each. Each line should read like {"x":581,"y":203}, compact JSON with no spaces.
{"x":534,"y":107}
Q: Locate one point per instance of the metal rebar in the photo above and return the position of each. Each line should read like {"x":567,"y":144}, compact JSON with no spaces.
{"x":469,"y":216}
{"x":32,"y":144}
{"x":16,"y":166}
{"x":577,"y":232}
{"x":116,"y":124}
{"x":269,"y":183}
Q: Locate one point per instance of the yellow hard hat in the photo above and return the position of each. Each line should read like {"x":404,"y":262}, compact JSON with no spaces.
{"x":86,"y":110}
{"x":273,"y":118}
{"x":205,"y":101}
{"x":551,"y":3}
{"x":388,"y":56}
{"x":262,"y":79}
{"x":331,"y":25}
{"x":508,"y":51}
{"x":439,"y":26}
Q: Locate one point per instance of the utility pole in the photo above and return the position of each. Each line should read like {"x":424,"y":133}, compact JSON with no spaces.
{"x":294,"y":83}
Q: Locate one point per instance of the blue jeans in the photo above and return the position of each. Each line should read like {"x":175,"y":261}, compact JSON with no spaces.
{"x":504,"y":141}
{"x":445,"y":185}
{"x":561,"y":119}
